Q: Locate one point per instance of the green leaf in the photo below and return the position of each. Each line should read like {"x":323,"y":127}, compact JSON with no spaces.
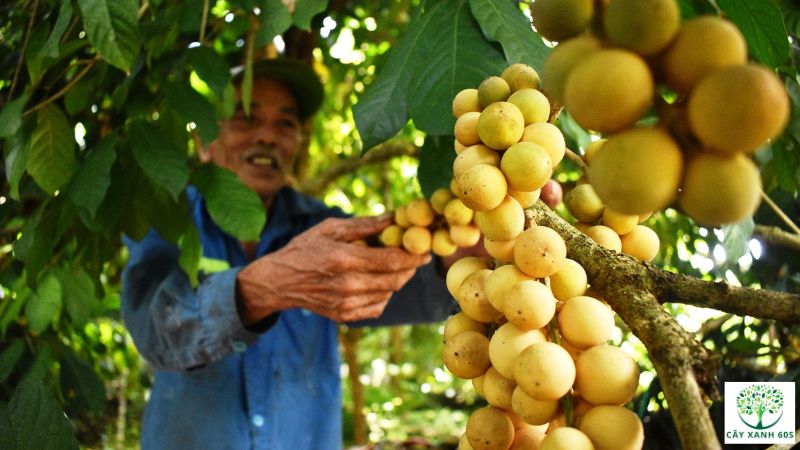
{"x":78,"y":96}
{"x":457,"y":56}
{"x":762,"y":25}
{"x":10,"y":313}
{"x":305,"y":10}
{"x":112,"y":27}
{"x":6,"y":429}
{"x":80,"y":385}
{"x":211,"y":67}
{"x":39,"y":237}
{"x":17,"y":149}
{"x":11,"y":116}
{"x":78,"y":294}
{"x":51,"y":160}
{"x":275,"y":19}
{"x":436,"y":163}
{"x":9,"y":358}
{"x":91,"y":182}
{"x":34,"y":59}
{"x":36,"y":419}
{"x":505,"y":23}
{"x":154,"y":154}
{"x":737,"y":239}
{"x":44,"y":306}
{"x":191,"y":253}
{"x":233,"y":206}
{"x":50,"y":48}
{"x":193,"y":107}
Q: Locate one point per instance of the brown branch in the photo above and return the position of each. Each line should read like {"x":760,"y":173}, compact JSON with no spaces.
{"x":777,"y":236}
{"x":22,"y":52}
{"x":315,"y":186}
{"x":65,"y":89}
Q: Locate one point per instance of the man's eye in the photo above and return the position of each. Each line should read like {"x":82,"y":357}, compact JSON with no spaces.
{"x":288,"y":123}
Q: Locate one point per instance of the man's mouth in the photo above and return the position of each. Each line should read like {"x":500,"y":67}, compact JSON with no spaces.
{"x":262,"y":159}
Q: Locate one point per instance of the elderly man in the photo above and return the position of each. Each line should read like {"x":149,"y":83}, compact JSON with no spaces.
{"x":249,"y":358}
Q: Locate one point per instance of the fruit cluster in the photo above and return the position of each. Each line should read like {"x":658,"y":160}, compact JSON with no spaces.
{"x":614,"y":62}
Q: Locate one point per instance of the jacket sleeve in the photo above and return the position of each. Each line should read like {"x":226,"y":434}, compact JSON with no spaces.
{"x":175,"y":326}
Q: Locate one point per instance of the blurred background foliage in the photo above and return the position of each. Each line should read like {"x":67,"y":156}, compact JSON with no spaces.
{"x":97,"y":138}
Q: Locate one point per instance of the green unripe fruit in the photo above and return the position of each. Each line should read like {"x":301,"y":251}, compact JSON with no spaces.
{"x":491,"y":90}
{"x":500,"y":125}
{"x":560,"y":19}
{"x":527,"y":166}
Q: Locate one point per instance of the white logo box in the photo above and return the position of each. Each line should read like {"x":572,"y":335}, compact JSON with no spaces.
{"x":760,"y":412}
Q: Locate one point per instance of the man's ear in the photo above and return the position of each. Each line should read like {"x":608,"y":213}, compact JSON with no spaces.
{"x":203,"y":152}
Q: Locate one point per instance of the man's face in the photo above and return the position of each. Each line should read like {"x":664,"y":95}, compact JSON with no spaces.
{"x":260,"y":149}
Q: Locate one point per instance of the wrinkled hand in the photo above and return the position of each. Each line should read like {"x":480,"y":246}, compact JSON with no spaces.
{"x":324,"y":271}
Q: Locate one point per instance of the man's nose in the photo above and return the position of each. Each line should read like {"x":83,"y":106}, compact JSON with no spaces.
{"x":265,"y":134}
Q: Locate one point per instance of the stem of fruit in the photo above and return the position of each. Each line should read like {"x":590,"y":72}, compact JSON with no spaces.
{"x":566,"y":400}
{"x":780,"y":213}
{"x":577,"y":159}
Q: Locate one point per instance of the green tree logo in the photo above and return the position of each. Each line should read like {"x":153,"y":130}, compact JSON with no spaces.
{"x":757,"y":400}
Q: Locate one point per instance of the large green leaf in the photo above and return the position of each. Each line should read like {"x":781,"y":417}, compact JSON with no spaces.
{"x":305,"y":10}
{"x":11,"y":116}
{"x":16,"y":150}
{"x":762,"y":25}
{"x":36,"y":419}
{"x":503,"y":22}
{"x":737,"y":239}
{"x":112,"y":27}
{"x":39,"y":238}
{"x":80,"y":385}
{"x":233,"y":206}
{"x":211,"y":67}
{"x":78,"y":294}
{"x":34,"y":58}
{"x":436,"y":163}
{"x":452,"y":54}
{"x":9,"y":357}
{"x":44,"y":306}
{"x":275,"y":19}
{"x":193,"y":107}
{"x":50,"y":48}
{"x":51,"y":160}
{"x":154,"y":154}
{"x":90,"y":183}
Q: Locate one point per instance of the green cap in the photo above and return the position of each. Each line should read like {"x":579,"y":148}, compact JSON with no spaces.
{"x":298,"y":76}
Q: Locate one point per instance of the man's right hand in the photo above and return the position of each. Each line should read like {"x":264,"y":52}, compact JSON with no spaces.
{"x":323,"y":270}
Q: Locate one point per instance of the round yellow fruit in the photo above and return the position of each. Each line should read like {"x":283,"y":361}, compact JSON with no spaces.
{"x":585,"y":322}
{"x":620,"y":223}
{"x":606,"y":375}
{"x":520,"y":76}
{"x":456,"y":213}
{"x":613,"y":428}
{"x":642,"y":243}
{"x":466,"y":129}
{"x":392,"y":236}
{"x":439,"y":199}
{"x":419,"y":212}
{"x":465,"y":236}
{"x":583,"y":203}
{"x":525,"y":199}
{"x":500,"y":281}
{"x":532,"y":411}
{"x":507,"y":343}
{"x":549,"y":137}
{"x":472,"y":298}
{"x":482,"y":187}
{"x":644,"y":26}
{"x":472,"y":155}
{"x":592,"y":149}
{"x":718,"y":190}
{"x":466,"y":354}
{"x":738,"y":109}
{"x":497,"y":389}
{"x":527,"y":166}
{"x":609,"y":91}
{"x":529,"y":305}
{"x":503,"y":223}
{"x":527,"y":438}
{"x":401,"y":217}
{"x":466,"y":101}
{"x":605,"y":236}
{"x":566,"y":438}
{"x":500,"y":125}
{"x":533,"y":105}
{"x":442,"y":244}
{"x":460,"y":270}
{"x":499,"y":250}
{"x":702,"y":46}
{"x":459,"y":323}
{"x":539,"y":251}
{"x":545,"y":371}
{"x":560,"y":19}
{"x":559,"y":64}
{"x":490,"y":428}
{"x":570,"y":280}
{"x":637,"y":171}
{"x":493,"y":89}
{"x":417,"y":240}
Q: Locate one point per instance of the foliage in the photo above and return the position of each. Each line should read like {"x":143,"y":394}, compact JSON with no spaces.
{"x":101,"y":103}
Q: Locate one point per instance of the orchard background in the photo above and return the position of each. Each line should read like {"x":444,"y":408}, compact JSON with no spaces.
{"x":99,"y":100}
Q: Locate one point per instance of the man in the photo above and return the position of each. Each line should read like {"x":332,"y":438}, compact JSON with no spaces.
{"x":249,"y":358}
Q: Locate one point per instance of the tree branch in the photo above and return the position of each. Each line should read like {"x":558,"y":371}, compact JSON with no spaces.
{"x":777,"y":236}
{"x":314,"y":186}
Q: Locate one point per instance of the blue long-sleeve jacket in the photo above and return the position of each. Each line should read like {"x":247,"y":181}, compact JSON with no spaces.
{"x":219,"y":385}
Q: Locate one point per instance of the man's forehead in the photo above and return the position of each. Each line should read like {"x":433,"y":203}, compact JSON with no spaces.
{"x":269,"y":91}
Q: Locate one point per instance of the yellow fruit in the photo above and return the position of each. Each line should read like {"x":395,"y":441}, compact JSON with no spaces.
{"x":527,"y":438}
{"x":620,"y":223}
{"x":401,"y":217}
{"x":417,"y":240}
{"x":527,"y":166}
{"x":539,"y":251}
{"x":605,"y":236}
{"x":497,"y":389}
{"x":532,"y":411}
{"x":507,"y":343}
{"x":525,"y":199}
{"x":529,"y":305}
{"x":717,"y":190}
{"x":644,"y":26}
{"x":559,"y":64}
{"x":613,"y":428}
{"x":458,"y":146}
{"x":549,"y":137}
{"x":482,"y":187}
{"x":456,"y":213}
{"x":472,"y":298}
{"x":460,"y":270}
{"x":566,"y":438}
{"x":440,"y":198}
{"x":520,"y":76}
{"x":609,"y":91}
{"x":500,"y":281}
{"x":738,"y":109}
{"x":606,"y":375}
{"x":460,"y":322}
{"x":463,"y":443}
{"x":592,"y":149}
{"x":637,"y":171}
{"x":502,"y":223}
{"x":570,"y":280}
{"x":472,"y":155}
{"x":491,"y":90}
{"x":490,"y":428}
{"x":392,"y":236}
{"x":533,"y":104}
{"x":500,"y":125}
{"x":545,"y":371}
{"x":419,"y":212}
{"x":583,"y":203}
{"x":585,"y":322}
{"x":560,"y":19}
{"x":441,"y":244}
{"x":466,"y":101}
{"x":466,"y":129}
{"x":477,"y":384}
{"x":702,"y":46}
{"x":466,"y":354}
{"x":499,"y":250}
{"x":465,"y":236}
{"x":642,"y":243}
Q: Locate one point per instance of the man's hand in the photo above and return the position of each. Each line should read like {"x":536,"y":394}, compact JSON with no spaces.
{"x":324,"y":271}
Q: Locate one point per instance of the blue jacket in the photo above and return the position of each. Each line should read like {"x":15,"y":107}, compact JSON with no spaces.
{"x":219,"y":385}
